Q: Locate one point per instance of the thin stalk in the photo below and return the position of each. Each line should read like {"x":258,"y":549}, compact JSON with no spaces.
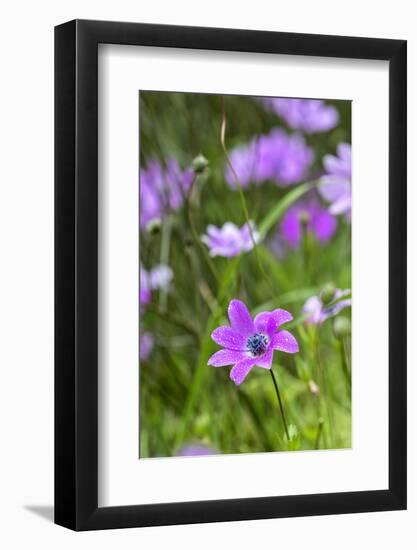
{"x":306,"y":254}
{"x":195,"y":235}
{"x":229,"y":162}
{"x":323,"y":383}
{"x":164,"y":258}
{"x":193,"y":260}
{"x":343,"y":359}
{"x":241,"y":195}
{"x":281,"y":408}
{"x":319,"y":430}
{"x":347,"y":357}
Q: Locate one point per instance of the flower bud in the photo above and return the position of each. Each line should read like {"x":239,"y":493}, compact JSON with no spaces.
{"x":314,"y":389}
{"x":199,"y":164}
{"x":202,"y":425}
{"x":341,"y":327}
{"x":154,"y":226}
{"x":327,"y":293}
{"x":304,"y":217}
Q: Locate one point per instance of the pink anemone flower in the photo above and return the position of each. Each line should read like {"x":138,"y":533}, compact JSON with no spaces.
{"x":251,"y":342}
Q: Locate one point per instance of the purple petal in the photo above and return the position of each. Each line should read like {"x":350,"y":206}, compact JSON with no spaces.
{"x":240,"y":318}
{"x":146,"y":342}
{"x":284,"y":341}
{"x":229,"y":338}
{"x":309,"y":115}
{"x":229,"y":240}
{"x":265,"y":360}
{"x":332,"y":188}
{"x":341,"y":206}
{"x":290,"y":228}
{"x":344,"y":150}
{"x":313,"y":307}
{"x":196,"y":450}
{"x":261,"y":322}
{"x":145,"y":296}
{"x":241,"y":370}
{"x":336,"y":166}
{"x":323,"y":225}
{"x":333,"y":310}
{"x":214,"y":232}
{"x":282,"y":316}
{"x":160,"y":276}
{"x":268,"y":321}
{"x":338,"y":293}
{"x":225,"y":357}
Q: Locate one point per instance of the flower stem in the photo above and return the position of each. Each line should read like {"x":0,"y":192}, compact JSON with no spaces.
{"x":164,"y":258}
{"x":242,"y":197}
{"x":319,"y":430}
{"x":324,"y":386}
{"x":274,"y":380}
{"x":195,"y":236}
{"x":344,"y":361}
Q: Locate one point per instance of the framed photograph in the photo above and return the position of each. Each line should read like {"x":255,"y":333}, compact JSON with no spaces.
{"x":230,"y":248}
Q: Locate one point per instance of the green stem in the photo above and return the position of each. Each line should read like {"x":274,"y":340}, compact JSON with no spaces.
{"x":280,"y":404}
{"x":164,"y":258}
{"x":306,"y":254}
{"x":195,"y":235}
{"x":319,"y":430}
{"x":343,"y":358}
{"x":242,"y":197}
{"x":323,"y":384}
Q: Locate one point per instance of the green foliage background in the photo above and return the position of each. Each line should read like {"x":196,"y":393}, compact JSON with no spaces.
{"x":182,"y":400}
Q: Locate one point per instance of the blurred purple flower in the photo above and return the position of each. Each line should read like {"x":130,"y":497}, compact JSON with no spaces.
{"x":145,"y":291}
{"x":229,"y":240}
{"x":250,"y":342}
{"x":335,"y":185}
{"x":244,"y":162}
{"x":276,"y":156}
{"x":307,"y":216}
{"x":196,"y":449}
{"x":318,"y":312}
{"x":146,"y":342}
{"x":308,"y":115}
{"x":158,"y":278}
{"x":162,"y":189}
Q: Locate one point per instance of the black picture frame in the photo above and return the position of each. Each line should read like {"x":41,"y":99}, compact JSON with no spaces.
{"x":76,"y":272}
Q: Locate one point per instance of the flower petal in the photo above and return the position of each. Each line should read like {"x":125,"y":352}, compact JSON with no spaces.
{"x":290,"y":228}
{"x":261,"y":321}
{"x":240,"y":318}
{"x":313,"y":308}
{"x":265,"y":360}
{"x":333,"y":310}
{"x":229,"y":338}
{"x":268,"y":321}
{"x":344,"y":150}
{"x":241,"y":370}
{"x":341,"y":206}
{"x":225,"y":357}
{"x":281,"y":316}
{"x":332,"y":188}
{"x":284,"y":341}
{"x":160,"y":276}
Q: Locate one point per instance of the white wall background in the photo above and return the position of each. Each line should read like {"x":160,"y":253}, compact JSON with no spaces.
{"x":26,"y":289}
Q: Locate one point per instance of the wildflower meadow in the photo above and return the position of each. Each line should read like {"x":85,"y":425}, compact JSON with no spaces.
{"x":245,"y":274}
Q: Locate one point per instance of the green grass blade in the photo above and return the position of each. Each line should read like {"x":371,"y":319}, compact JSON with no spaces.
{"x":280,"y":208}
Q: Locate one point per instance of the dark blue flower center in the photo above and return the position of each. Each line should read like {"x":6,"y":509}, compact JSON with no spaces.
{"x":257,"y":344}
